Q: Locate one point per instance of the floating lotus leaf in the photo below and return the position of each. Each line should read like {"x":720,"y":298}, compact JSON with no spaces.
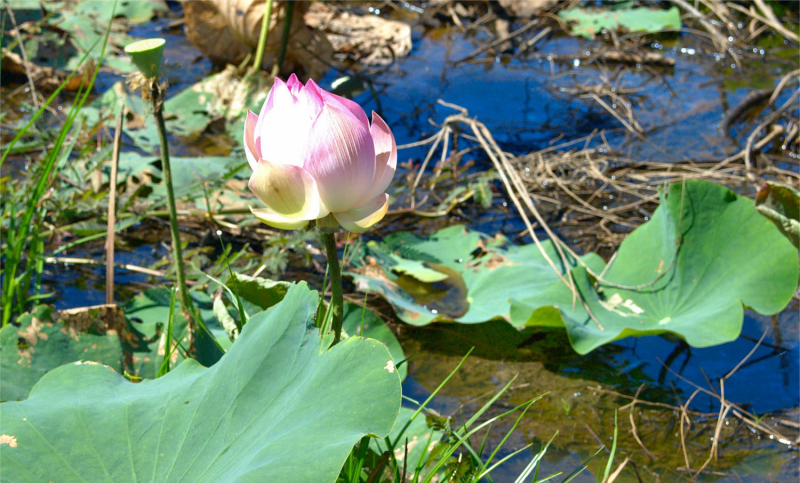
{"x":187,"y":113}
{"x":479,"y":275}
{"x":276,"y":407}
{"x":135,"y":11}
{"x":689,"y":271}
{"x":86,"y":23}
{"x":591,"y":21}
{"x":705,"y":254}
{"x":188,"y":173}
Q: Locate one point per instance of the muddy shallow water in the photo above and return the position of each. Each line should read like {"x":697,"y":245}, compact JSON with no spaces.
{"x":525,"y":104}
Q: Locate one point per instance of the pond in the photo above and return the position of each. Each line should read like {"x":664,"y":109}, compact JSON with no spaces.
{"x":529,"y":103}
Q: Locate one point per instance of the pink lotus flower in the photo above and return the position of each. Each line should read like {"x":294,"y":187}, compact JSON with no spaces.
{"x":314,"y":153}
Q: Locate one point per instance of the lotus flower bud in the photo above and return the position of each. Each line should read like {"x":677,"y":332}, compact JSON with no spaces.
{"x":316,"y":154}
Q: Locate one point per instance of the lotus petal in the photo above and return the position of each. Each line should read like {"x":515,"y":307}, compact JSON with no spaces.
{"x":361,"y":219}
{"x":294,"y":84}
{"x":343,"y":103}
{"x":289,"y":193}
{"x":310,"y":97}
{"x":341,"y":158}
{"x":284,"y":130}
{"x":278,"y":221}
{"x":385,"y":155}
{"x":251,"y":148}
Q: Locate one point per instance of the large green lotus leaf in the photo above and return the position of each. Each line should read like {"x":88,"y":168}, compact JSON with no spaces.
{"x":591,"y":21}
{"x":45,"y":339}
{"x":705,"y":253}
{"x":481,"y":274}
{"x":276,"y":407}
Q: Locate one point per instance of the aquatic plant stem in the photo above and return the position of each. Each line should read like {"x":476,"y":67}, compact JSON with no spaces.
{"x":112,"y":207}
{"x":177,"y":250}
{"x":287,"y":27}
{"x":262,"y":38}
{"x":335,"y":272}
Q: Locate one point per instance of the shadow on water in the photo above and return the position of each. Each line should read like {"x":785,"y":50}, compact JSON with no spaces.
{"x":447,"y":297}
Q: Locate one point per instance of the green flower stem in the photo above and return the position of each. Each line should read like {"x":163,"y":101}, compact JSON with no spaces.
{"x":335,"y":272}
{"x":262,"y":38}
{"x":287,"y":27}
{"x":177,"y":251}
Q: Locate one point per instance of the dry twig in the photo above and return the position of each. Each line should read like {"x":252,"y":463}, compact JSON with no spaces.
{"x":112,"y":208}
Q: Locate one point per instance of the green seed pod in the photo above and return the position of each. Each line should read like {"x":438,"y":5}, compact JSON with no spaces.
{"x":147,"y":55}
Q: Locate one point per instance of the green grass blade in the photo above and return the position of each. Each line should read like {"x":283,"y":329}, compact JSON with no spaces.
{"x":465,"y":437}
{"x":485,"y":473}
{"x":534,"y":464}
{"x":613,"y":449}
{"x":234,"y":298}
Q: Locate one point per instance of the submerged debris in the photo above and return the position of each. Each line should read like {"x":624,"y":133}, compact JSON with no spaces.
{"x":368,"y":39}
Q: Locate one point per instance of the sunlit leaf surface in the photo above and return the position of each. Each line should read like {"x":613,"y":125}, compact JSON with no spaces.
{"x":277,"y":407}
